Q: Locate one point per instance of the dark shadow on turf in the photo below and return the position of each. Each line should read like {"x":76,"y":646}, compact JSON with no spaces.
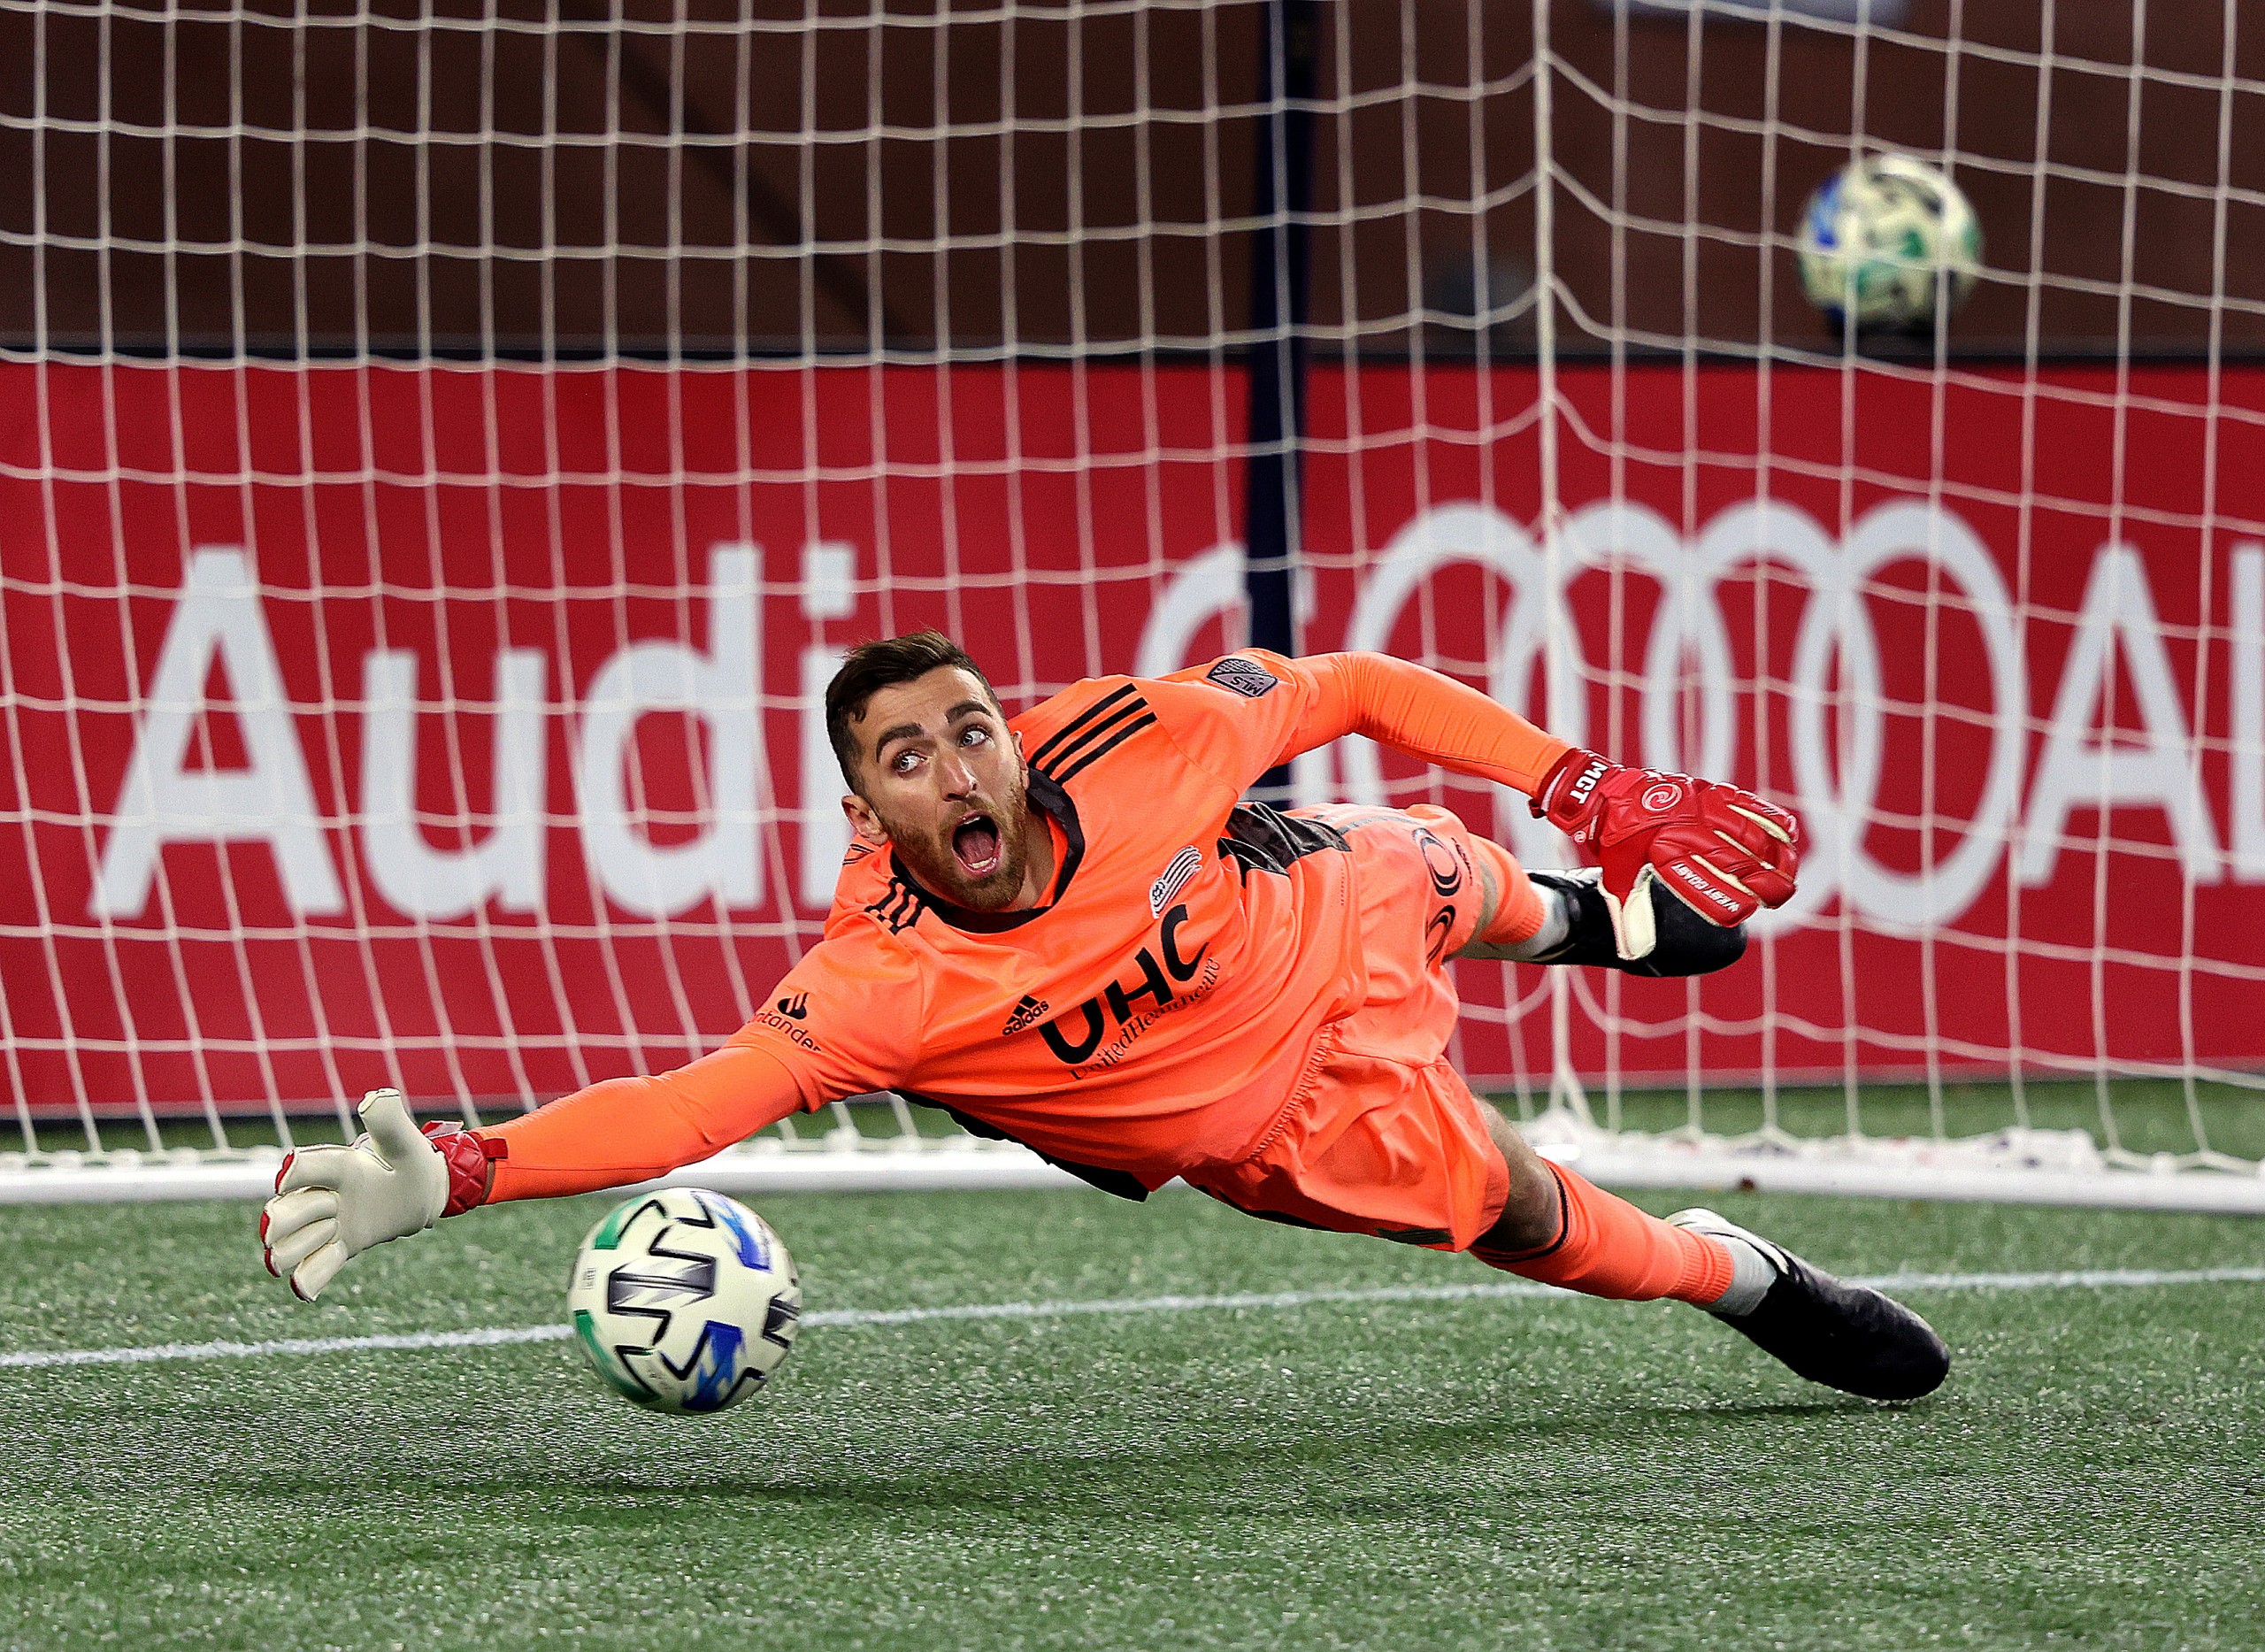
{"x":1255,"y":1474}
{"x":338,"y":1450}
{"x":1838,"y":1405}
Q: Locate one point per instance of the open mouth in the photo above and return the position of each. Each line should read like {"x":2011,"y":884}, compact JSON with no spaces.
{"x":975,"y":842}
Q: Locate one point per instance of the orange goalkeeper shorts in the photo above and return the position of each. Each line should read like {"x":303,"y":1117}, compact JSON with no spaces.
{"x":1381,"y":1135}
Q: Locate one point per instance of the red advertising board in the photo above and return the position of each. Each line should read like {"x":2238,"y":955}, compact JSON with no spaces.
{"x":454,"y":726}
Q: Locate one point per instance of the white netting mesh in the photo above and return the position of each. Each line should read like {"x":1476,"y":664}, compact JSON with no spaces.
{"x":450,"y":446}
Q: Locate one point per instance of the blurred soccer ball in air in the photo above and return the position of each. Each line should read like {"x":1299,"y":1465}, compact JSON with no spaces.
{"x":1889,"y":242}
{"x":684,"y":1300}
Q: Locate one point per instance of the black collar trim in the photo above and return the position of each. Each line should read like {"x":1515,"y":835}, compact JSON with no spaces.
{"x":1051,"y":800}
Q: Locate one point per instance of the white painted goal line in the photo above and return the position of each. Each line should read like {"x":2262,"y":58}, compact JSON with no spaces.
{"x":494,"y":1336}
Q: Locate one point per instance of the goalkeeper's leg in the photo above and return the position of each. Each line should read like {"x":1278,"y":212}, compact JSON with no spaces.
{"x":1383,"y":1136}
{"x":1559,"y":1229}
{"x":1562,"y":917}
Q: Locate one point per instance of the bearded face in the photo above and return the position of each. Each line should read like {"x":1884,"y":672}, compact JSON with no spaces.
{"x":944,"y":783}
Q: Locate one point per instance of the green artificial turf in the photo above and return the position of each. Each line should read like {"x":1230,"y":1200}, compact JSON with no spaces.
{"x":1542,"y":1474}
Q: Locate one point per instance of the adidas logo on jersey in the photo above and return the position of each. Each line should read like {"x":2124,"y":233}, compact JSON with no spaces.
{"x":1029,"y":1013}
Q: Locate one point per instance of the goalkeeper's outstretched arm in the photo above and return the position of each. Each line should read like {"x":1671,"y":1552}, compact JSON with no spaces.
{"x":1726,"y":852}
{"x":1422,"y":712}
{"x":331,"y":1203}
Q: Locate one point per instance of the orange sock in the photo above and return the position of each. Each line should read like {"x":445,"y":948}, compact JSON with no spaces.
{"x":1517,"y":914}
{"x":1608,"y":1247}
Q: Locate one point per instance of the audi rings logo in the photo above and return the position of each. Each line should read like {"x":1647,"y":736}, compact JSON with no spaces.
{"x":1695,"y":689}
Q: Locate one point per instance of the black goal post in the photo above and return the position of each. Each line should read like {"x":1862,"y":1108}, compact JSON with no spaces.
{"x":1282,"y":201}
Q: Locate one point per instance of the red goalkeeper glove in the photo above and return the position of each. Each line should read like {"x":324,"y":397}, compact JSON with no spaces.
{"x":1726,"y":852}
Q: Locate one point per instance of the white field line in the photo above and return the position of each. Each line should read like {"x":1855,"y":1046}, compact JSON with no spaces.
{"x":492,"y":1336}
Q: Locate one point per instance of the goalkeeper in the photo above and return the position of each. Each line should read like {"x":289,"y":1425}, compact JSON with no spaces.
{"x":1068,"y":929}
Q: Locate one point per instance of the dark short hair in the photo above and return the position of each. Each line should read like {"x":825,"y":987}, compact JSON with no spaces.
{"x":873,"y":666}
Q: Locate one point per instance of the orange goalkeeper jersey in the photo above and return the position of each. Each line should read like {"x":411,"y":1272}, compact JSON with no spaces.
{"x":1152,"y":1017}
{"x":1155,"y":1014}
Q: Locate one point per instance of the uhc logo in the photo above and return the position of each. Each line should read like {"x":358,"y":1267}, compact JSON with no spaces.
{"x":1160,"y":970}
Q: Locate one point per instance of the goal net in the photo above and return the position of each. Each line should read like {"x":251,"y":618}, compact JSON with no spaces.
{"x":445,"y":452}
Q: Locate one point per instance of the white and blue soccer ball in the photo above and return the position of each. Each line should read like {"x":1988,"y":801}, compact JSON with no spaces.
{"x":1889,"y":242}
{"x":684,"y":1301}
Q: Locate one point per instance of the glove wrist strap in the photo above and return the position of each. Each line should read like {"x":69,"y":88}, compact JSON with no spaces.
{"x":470,"y":1159}
{"x":1569,"y":787}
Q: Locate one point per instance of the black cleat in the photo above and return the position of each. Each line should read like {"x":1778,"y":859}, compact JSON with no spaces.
{"x":1845,"y":1336}
{"x":1687,"y":944}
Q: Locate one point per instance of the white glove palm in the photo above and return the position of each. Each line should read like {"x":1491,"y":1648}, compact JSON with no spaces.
{"x":331,"y":1203}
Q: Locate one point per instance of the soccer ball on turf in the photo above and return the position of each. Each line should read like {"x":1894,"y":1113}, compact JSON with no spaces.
{"x":1889,"y":242}
{"x":684,"y":1300}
